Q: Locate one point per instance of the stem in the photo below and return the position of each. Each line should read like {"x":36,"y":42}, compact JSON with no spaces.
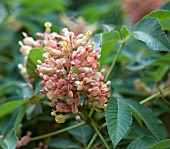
{"x":47,"y":103}
{"x":91,"y":141}
{"x":154,"y":95}
{"x":114,"y":61}
{"x":58,"y":131}
{"x":91,"y":111}
{"x":99,"y":134}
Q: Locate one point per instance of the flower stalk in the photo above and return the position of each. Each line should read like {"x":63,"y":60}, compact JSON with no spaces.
{"x":115,"y":60}
{"x":58,"y":131}
{"x":91,"y":141}
{"x":93,"y":124}
{"x":155,"y":95}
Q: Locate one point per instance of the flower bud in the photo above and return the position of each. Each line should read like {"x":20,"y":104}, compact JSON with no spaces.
{"x":29,"y":41}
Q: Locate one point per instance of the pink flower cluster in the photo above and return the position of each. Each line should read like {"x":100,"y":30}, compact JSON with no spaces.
{"x":70,"y":69}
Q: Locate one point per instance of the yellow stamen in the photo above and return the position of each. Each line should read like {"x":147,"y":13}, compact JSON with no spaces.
{"x":87,"y":35}
{"x":48,"y":27}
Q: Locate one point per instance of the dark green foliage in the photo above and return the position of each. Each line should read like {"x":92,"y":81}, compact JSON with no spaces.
{"x":123,"y":123}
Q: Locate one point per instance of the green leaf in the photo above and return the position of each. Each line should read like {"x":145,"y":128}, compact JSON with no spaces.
{"x":163,"y":17}
{"x":33,"y":111}
{"x":6,"y":87}
{"x":142,"y":62}
{"x":6,"y":34}
{"x":135,"y":132}
{"x":82,"y":134}
{"x":161,"y":145}
{"x":142,"y":143}
{"x":52,"y":4}
{"x":136,"y":66}
{"x":31,"y":64}
{"x":9,"y":106}
{"x":125,"y":32}
{"x":9,"y":140}
{"x":118,"y":119}
{"x":151,"y":121}
{"x":109,"y":39}
{"x":137,"y":118}
{"x":36,"y":86}
{"x":162,"y":71}
{"x":166,"y":24}
{"x":7,"y":122}
{"x":20,"y":116}
{"x":108,"y":36}
{"x":105,"y":8}
{"x":166,"y":6}
{"x":4,"y":12}
{"x":160,"y":14}
{"x":63,"y":143}
{"x":150,"y":31}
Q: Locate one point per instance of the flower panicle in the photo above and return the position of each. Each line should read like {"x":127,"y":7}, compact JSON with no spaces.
{"x":70,"y":70}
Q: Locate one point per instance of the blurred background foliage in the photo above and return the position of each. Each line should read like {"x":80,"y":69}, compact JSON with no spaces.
{"x":29,"y":16}
{"x":17,"y":16}
{"x":136,"y":61}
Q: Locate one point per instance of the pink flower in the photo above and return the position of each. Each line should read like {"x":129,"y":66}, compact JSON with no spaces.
{"x":69,"y":70}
